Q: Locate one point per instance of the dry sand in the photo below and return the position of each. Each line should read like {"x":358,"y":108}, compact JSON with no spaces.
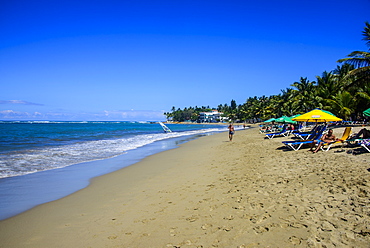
{"x":212,"y":193}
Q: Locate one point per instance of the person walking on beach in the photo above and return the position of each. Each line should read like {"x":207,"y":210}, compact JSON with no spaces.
{"x":231,"y":131}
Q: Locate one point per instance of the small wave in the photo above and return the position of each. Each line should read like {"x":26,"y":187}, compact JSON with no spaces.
{"x":47,"y":158}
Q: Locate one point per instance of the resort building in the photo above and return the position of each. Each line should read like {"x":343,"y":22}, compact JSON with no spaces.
{"x":213,"y":116}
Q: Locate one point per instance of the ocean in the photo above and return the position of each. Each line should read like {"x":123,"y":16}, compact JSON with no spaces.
{"x":41,"y":161}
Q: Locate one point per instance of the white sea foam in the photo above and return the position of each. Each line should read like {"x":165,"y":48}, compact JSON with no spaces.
{"x":30,"y":161}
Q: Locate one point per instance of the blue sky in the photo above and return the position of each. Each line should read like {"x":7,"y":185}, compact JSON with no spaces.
{"x":134,"y":60}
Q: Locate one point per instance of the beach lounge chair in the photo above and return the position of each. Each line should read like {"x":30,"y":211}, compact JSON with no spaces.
{"x":270,"y":128}
{"x":296,"y":145}
{"x":301,"y":127}
{"x":308,"y":135}
{"x":266,"y":129}
{"x":353,"y":142}
{"x":345,"y":136}
{"x":301,"y":135}
{"x":365,"y":143}
{"x":283,"y":132}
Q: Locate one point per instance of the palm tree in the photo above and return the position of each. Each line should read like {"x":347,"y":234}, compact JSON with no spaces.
{"x":287,"y":100}
{"x":254,"y":107}
{"x":361,"y":61}
{"x":304,"y":95}
{"x":327,"y":86}
{"x":261,"y":107}
{"x":341,"y":71}
{"x":342,"y":104}
{"x":274,"y":107}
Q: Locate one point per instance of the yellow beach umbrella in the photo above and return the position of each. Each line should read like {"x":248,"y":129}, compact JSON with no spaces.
{"x":317,"y":115}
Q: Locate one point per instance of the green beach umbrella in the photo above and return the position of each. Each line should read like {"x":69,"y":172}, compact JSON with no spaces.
{"x":366,"y":112}
{"x":285,"y":119}
{"x":270,"y":120}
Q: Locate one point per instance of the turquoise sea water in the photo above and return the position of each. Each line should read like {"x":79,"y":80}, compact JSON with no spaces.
{"x":45,"y":161}
{"x":29,"y":147}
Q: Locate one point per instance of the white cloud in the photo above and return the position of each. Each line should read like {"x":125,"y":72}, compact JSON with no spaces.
{"x":19,"y":115}
{"x":19,"y":102}
{"x":107,"y":115}
{"x":136,"y":115}
{"x":12,"y":114}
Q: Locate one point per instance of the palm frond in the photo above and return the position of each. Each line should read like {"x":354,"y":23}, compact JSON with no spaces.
{"x":357,"y":77}
{"x":366,"y":33}
{"x":357,"y":59}
{"x":365,"y":71}
{"x":363,"y":95}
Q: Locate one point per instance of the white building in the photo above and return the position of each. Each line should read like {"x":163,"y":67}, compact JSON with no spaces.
{"x":213,"y":116}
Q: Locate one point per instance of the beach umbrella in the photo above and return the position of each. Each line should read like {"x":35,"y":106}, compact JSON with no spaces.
{"x":285,"y":119}
{"x":366,"y":112}
{"x":317,"y":115}
{"x":270,"y":120}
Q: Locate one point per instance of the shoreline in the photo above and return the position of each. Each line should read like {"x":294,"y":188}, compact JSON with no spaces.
{"x":211,"y":192}
{"x":21,"y":193}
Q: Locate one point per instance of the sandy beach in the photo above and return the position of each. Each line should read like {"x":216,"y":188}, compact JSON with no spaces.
{"x":251,"y":192}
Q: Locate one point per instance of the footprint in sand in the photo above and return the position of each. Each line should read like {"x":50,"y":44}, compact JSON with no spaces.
{"x":294,"y":240}
{"x":173,"y":232}
{"x":192,"y":218}
{"x":261,"y":229}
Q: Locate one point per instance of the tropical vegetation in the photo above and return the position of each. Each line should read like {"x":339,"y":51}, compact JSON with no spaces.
{"x":344,"y":91}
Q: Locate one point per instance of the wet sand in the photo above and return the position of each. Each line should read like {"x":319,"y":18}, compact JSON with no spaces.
{"x":251,"y":192}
